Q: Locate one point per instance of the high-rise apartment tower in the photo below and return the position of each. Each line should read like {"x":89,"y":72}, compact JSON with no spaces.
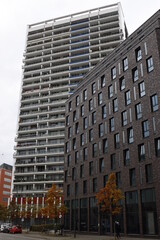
{"x":59,"y":52}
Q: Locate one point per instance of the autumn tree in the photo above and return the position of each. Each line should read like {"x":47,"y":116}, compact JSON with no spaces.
{"x":13,"y":211}
{"x":3,"y":213}
{"x":54,"y":207}
{"x":109,"y":198}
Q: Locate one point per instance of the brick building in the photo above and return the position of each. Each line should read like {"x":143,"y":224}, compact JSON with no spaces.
{"x":112,"y":125}
{"x":5,"y":183}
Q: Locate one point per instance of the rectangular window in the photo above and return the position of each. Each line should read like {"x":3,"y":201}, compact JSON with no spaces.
{"x":154,"y":102}
{"x":74,"y":116}
{"x":113,"y":161}
{"x":130,"y":135}
{"x":93,"y":117}
{"x":126,"y":157}
{"x":138,"y":53}
{"x":82,"y":139}
{"x":82,"y":171}
{"x":116,"y":140}
{"x":85,"y":123}
{"x":145,"y":128}
{"x":82,"y":110}
{"x":85,"y":153}
{"x":90,"y":104}
{"x":91,"y":135}
{"x":125,"y":64}
{"x":157,"y":147}
{"x":135,"y":74}
{"x":68,"y":190}
{"x":91,"y":168}
{"x":85,"y":187}
{"x":132,"y":177}
{"x":85,"y":95}
{"x":67,"y":120}
{"x":77,"y":101}
{"x":150,"y":66}
{"x":124,"y":118}
{"x":115,"y":105}
{"x":69,"y":132}
{"x":94,"y":150}
{"x":101,"y":130}
{"x":122,"y":83}
{"x":76,"y":157}
{"x":103,"y":81}
{"x":76,"y":128}
{"x":105,"y":179}
{"x":100,"y":98}
{"x":94,"y":184}
{"x":111,"y":124}
{"x":70,"y":106}
{"x":142,"y":91}
{"x":113,"y":73}
{"x":74,"y":143}
{"x":110,"y":91}
{"x":93,"y":88}
{"x":138,"y":108}
{"x":104,"y":112}
{"x":67,"y":147}
{"x":105,"y":145}
{"x":141,"y":152}
{"x":127,"y":97}
{"x":101,"y":165}
{"x":149,"y":175}
{"x":118,"y":179}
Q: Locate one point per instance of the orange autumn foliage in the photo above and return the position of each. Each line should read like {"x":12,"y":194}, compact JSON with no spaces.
{"x":109,"y":197}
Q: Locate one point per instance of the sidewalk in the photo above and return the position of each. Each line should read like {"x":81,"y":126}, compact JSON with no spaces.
{"x":81,"y":237}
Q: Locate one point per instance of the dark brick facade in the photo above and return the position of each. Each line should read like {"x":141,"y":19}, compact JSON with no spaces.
{"x":126,"y":134}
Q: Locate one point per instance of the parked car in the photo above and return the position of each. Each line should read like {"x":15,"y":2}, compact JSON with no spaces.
{"x":6,"y":230}
{"x":5,"y":226}
{"x":15,"y":229}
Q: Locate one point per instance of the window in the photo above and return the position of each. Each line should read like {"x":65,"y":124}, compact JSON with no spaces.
{"x":113,"y":73}
{"x":104,"y":112}
{"x":116,"y":140}
{"x":148,"y":170}
{"x":125,"y":64}
{"x":82,"y":171}
{"x":100,"y":98}
{"x":67,"y":120}
{"x":85,"y":95}
{"x":67,"y":147}
{"x":93,"y":117}
{"x":127,"y":97}
{"x":85,"y":123}
{"x":69,"y":132}
{"x":141,"y":152}
{"x":138,"y":53}
{"x":93,"y":88}
{"x":94,"y":184}
{"x":150,"y":66}
{"x":68,"y":160}
{"x":135,"y":74}
{"x":111,"y":124}
{"x":124,"y":118}
{"x":138,"y":111}
{"x":145,"y":128}
{"x":68,"y":190}
{"x":105,"y":145}
{"x":77,"y":101}
{"x":105,"y":179}
{"x":91,"y":168}
{"x":91,"y":135}
{"x":115,"y":105}
{"x":122,"y":83}
{"x":85,"y":153}
{"x":74,"y":173}
{"x":82,"y":110}
{"x":101,"y":130}
{"x":132,"y":177}
{"x":70,"y":106}
{"x":101,"y":165}
{"x":110,"y":91}
{"x":154,"y":102}
{"x":118,"y":179}
{"x":113,"y":161}
{"x":85,"y":187}
{"x":126,"y":157}
{"x":157,"y":147}
{"x":82,"y":139}
{"x":103,"y":81}
{"x":74,"y":116}
{"x":74,"y":143}
{"x":77,"y":128}
{"x":90,"y":104}
{"x":76,"y":157}
{"x":142,"y":89}
{"x":130,"y":135}
{"x":94,"y":150}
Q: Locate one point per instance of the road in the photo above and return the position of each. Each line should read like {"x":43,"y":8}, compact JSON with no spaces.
{"x":23,"y":236}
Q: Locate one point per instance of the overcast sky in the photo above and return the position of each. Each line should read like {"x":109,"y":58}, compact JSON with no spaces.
{"x":15,"y":15}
